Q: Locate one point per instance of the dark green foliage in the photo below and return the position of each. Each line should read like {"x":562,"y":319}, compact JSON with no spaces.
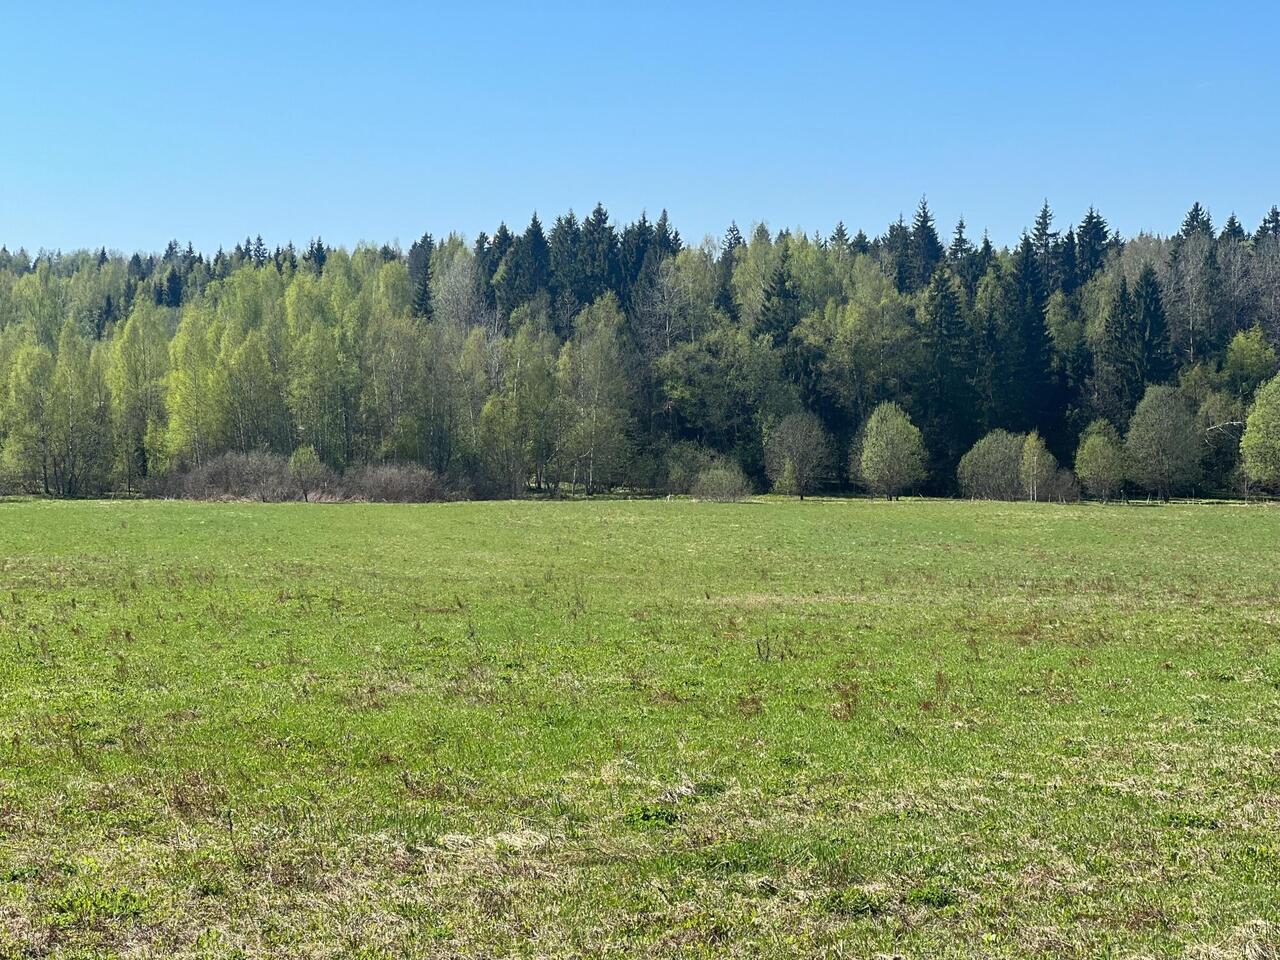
{"x":1092,"y":240}
{"x":780,"y":311}
{"x":420,"y":275}
{"x":948,"y":395}
{"x":926,"y":250}
{"x":1196,"y":221}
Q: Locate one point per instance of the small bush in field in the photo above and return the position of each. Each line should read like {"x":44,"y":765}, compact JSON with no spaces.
{"x":724,"y":482}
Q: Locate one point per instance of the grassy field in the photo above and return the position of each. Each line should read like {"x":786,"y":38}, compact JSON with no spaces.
{"x":639,"y":729}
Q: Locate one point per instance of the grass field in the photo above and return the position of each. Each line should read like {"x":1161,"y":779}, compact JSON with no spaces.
{"x":639,"y":729}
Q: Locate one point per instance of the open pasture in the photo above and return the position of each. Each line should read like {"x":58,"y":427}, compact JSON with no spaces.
{"x":639,"y":729}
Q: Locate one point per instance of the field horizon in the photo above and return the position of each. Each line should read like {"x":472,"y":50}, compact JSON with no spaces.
{"x":638,"y":727}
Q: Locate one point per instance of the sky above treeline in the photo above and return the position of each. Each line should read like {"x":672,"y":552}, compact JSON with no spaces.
{"x":129,"y":125}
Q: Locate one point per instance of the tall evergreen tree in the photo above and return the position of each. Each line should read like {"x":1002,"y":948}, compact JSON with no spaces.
{"x":1117,"y":363}
{"x":926,"y":248}
{"x":1232,"y":230}
{"x":780,"y":311}
{"x":1155,"y":354}
{"x":1092,"y":239}
{"x":599,"y":252}
{"x":1032,"y":348}
{"x":949,"y":396}
{"x":420,"y":275}
{"x":1270,"y":226}
{"x":1196,"y":221}
{"x":896,"y":249}
{"x":666,"y":238}
{"x":1045,"y":239}
{"x":729,"y":248}
{"x":1066,"y":266}
{"x":565,"y":259}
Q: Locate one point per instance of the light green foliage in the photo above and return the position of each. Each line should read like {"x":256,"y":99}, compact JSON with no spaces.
{"x":1037,"y":467}
{"x":644,"y":729}
{"x":1100,"y":461}
{"x":137,"y":373}
{"x":79,"y":420}
{"x":28,"y":416}
{"x":306,"y":469}
{"x":992,"y":469}
{"x":892,"y":458}
{"x":595,"y":396}
{"x":1260,"y":445}
{"x":1163,"y":445}
{"x":1250,"y":360}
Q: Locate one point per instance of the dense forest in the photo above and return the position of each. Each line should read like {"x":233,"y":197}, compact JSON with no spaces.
{"x":589,"y":357}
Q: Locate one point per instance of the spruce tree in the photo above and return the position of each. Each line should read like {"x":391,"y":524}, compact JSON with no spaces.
{"x":839,"y":240}
{"x":1032,"y":349}
{"x":963,"y":259}
{"x":599,"y":250}
{"x":895,"y":248}
{"x":780,"y":310}
{"x":1270,"y":226}
{"x":420,"y":275}
{"x":1196,"y":221}
{"x":724,"y":299}
{"x":949,"y":396}
{"x":1091,"y":244}
{"x":1066,"y":267}
{"x":565,"y":269}
{"x":1045,"y":240}
{"x":1232,"y":230}
{"x":926,"y":249}
{"x":666,"y":238}
{"x":1118,"y":360}
{"x":1156,"y":356}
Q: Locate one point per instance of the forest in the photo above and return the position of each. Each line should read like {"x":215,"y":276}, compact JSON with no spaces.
{"x":592,"y":357}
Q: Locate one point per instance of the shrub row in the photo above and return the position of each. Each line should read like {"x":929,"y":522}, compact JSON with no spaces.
{"x":270,"y":478}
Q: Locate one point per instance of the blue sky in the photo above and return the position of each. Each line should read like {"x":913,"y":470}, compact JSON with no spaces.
{"x":129,"y":124}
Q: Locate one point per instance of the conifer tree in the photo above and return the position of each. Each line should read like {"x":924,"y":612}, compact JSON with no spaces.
{"x":1156,"y":363}
{"x":729,"y":248}
{"x":780,"y":310}
{"x":1232,"y":230}
{"x":1091,"y":244}
{"x":1196,"y":221}
{"x":1117,"y":376}
{"x":420,"y":275}
{"x":949,"y":396}
{"x":1045,"y":239}
{"x":1270,"y":226}
{"x":926,"y":248}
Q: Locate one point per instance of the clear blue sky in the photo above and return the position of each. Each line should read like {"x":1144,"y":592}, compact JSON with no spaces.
{"x":126,"y":125}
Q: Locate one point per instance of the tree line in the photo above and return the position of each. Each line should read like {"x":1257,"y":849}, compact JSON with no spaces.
{"x":591,"y":357}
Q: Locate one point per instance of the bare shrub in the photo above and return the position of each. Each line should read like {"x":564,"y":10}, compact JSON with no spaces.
{"x":723,"y":482}
{"x":1062,"y":487}
{"x":235,"y":476}
{"x":397,"y":483}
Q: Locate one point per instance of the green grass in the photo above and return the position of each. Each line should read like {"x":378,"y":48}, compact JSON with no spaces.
{"x":639,"y":729}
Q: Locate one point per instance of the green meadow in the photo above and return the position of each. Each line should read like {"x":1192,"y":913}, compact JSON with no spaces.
{"x":650,"y":728}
